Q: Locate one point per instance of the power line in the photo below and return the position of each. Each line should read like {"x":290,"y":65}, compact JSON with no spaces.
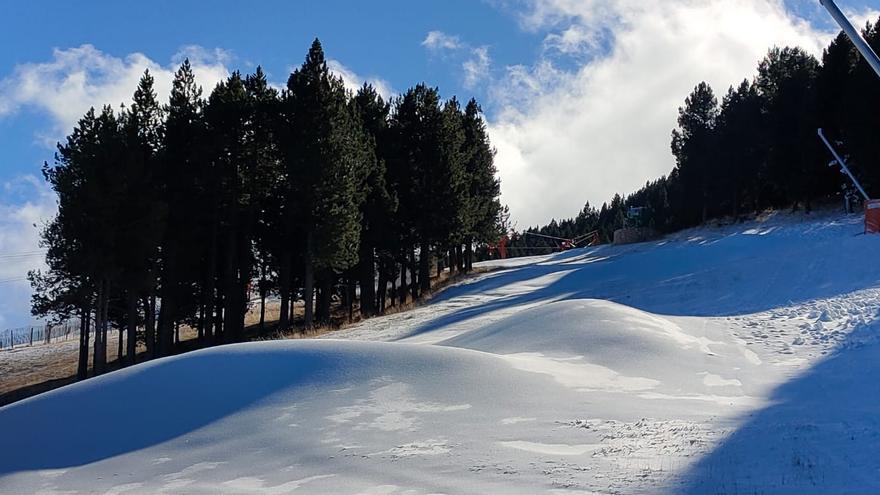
{"x":547,"y":236}
{"x":23,"y":254}
{"x":20,"y":257}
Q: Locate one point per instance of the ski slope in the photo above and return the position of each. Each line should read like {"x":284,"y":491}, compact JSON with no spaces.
{"x":738,"y":359}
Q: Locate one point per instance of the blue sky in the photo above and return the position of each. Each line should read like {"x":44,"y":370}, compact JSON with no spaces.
{"x":381,"y":38}
{"x":580,"y":96}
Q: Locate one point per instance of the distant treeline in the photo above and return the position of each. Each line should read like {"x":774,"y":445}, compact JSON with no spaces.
{"x":757,"y":149}
{"x":173,"y":214}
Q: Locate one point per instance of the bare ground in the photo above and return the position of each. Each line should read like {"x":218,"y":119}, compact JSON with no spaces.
{"x":29,"y":370}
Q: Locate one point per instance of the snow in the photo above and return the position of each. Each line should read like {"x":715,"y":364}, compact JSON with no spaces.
{"x":735,"y":359}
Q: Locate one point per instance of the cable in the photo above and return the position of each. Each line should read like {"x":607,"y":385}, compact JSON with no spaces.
{"x":23,"y":254}
{"x":547,"y":236}
{"x":14,"y":259}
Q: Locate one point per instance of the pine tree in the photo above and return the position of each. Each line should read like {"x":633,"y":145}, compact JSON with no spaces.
{"x":234,"y":162}
{"x":141,"y":231}
{"x":265,"y":179}
{"x":483,"y":187}
{"x":184,"y":184}
{"x":741,"y":145}
{"x":328,"y":163}
{"x":83,"y":239}
{"x":379,"y":205}
{"x":787,"y":82}
{"x":860,"y":122}
{"x":693,"y":148}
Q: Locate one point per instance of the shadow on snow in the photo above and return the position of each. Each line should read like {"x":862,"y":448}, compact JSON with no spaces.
{"x":138,"y":407}
{"x":820,"y":434}
{"x":732,"y":275}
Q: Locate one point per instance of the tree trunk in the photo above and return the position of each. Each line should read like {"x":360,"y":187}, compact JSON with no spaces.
{"x":367,"y":272}
{"x":82,"y":368}
{"x":325,"y":281}
{"x":262,"y":308}
{"x":425,"y":268}
{"x":201,"y":323}
{"x":230,"y":288}
{"x":166,"y":320}
{"x":119,"y":344}
{"x":735,"y":204}
{"x":105,"y":321}
{"x":99,"y":358}
{"x":285,"y":280}
{"x":132,"y":329}
{"x":208,"y":292}
{"x":383,"y":288}
{"x":413,"y":270}
{"x":352,"y":290}
{"x":394,"y":291}
{"x":403,"y":289}
{"x":245,"y":271}
{"x":309,"y":283}
{"x":219,"y":302}
{"x":149,"y":327}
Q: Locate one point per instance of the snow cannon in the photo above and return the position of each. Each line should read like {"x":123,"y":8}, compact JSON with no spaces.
{"x":861,"y":45}
{"x":872,"y":216}
{"x":872,"y":206}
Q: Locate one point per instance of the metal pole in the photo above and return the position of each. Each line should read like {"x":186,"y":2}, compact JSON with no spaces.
{"x":843,"y":164}
{"x":863,"y":47}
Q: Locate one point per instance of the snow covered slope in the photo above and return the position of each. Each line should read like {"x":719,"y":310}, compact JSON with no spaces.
{"x":741,"y":359}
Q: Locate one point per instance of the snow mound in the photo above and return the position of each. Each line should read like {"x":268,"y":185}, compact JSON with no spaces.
{"x":242,"y":418}
{"x":739,"y":359}
{"x":589,"y":344}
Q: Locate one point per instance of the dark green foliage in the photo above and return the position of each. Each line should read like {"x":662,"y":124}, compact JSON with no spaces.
{"x":328,"y":158}
{"x":179,"y":215}
{"x":758,"y":150}
{"x":787,"y":84}
{"x":694,"y":148}
{"x":740,"y":144}
{"x":483,"y":186}
{"x":378,"y":242}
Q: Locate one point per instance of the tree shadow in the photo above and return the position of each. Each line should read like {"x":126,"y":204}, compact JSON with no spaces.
{"x":820,"y":433}
{"x":151,"y":403}
{"x":729,"y":275}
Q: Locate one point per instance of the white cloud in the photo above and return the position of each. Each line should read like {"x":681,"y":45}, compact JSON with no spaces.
{"x":565,"y":137}
{"x":476,"y":69}
{"x":573,"y":40}
{"x":476,"y":64}
{"x":438,"y":40}
{"x":64,"y":87}
{"x":20,"y":224}
{"x":353,"y":81}
{"x":860,"y":18}
{"x":75,"y":79}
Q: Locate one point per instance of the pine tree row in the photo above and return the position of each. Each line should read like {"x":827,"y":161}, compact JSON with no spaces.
{"x":175,"y":214}
{"x":758,"y":148}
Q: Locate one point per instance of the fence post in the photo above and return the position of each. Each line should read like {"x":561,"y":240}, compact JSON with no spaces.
{"x":32,"y":337}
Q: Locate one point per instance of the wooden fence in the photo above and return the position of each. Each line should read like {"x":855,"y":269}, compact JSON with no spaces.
{"x":38,"y":334}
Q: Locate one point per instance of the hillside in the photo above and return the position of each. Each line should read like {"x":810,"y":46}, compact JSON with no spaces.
{"x":737,"y":359}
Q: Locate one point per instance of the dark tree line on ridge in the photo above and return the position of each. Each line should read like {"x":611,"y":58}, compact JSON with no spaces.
{"x":172,"y":214}
{"x":755,"y":149}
